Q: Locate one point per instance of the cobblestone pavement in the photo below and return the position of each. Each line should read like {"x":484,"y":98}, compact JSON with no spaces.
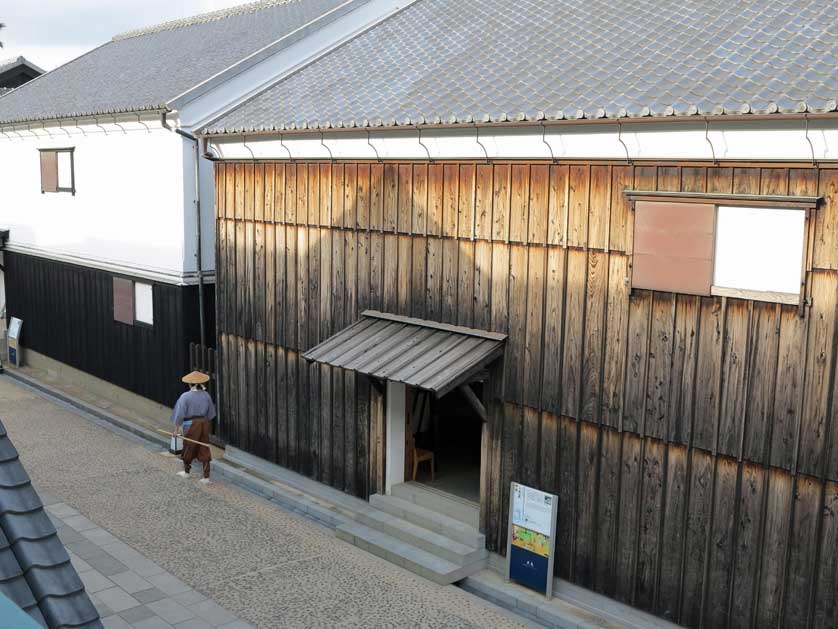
{"x":265,"y":566}
{"x":129,"y":590}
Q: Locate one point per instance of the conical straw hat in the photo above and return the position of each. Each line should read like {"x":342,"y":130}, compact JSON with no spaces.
{"x":196,"y":377}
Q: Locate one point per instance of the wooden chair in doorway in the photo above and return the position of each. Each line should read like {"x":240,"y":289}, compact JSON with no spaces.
{"x":419,"y":456}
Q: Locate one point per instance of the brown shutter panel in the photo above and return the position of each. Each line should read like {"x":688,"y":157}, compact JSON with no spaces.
{"x":123,"y":300}
{"x":673,"y":246}
{"x":49,"y":171}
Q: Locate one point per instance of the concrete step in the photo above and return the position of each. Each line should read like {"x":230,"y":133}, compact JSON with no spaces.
{"x":403,"y":554}
{"x":434,"y":543}
{"x":557,"y":612}
{"x":426,"y":518}
{"x":435,"y":500}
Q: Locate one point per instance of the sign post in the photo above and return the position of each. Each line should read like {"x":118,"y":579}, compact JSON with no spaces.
{"x":531,"y":538}
{"x":14,"y":341}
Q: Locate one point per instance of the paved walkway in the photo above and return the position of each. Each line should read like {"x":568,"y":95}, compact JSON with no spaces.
{"x":265,"y":566}
{"x":128,"y":589}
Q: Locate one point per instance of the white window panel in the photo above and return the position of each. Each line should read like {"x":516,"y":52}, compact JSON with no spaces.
{"x":65,"y":169}
{"x":759,"y":249}
{"x":143,"y":303}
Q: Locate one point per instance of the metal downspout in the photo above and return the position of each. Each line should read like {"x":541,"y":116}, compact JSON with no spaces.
{"x":198,"y":252}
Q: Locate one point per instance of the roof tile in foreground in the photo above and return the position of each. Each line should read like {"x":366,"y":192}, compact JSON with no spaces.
{"x":425,"y":354}
{"x":35,"y":569}
{"x":444,"y":62}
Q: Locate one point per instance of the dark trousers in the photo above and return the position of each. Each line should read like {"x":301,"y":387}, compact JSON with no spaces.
{"x":199,"y":431}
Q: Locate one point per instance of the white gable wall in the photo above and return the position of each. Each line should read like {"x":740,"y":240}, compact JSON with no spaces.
{"x":130,"y":210}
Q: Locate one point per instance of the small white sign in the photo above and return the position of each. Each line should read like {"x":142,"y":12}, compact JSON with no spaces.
{"x":532,"y":509}
{"x":14,"y":328}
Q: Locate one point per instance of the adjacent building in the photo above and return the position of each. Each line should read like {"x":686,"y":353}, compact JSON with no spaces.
{"x":585,"y":246}
{"x":15,"y":72}
{"x":108,"y":199}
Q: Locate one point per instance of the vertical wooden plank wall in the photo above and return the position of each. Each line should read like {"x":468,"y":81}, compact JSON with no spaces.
{"x":693,"y":441}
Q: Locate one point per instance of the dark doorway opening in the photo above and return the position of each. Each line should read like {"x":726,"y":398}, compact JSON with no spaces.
{"x":449,"y":429}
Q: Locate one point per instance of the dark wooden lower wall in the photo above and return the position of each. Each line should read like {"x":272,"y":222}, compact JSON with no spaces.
{"x":67,"y":314}
{"x":701,"y":539}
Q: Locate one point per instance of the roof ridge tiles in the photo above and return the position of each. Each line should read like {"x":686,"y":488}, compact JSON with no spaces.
{"x":201,"y":18}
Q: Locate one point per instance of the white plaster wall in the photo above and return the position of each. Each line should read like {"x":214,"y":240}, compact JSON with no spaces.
{"x":129,"y":209}
{"x":207,"y":192}
{"x":756,"y":140}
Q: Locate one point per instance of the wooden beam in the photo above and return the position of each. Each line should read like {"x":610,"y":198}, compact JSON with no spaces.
{"x":475,"y":402}
{"x":722,"y":198}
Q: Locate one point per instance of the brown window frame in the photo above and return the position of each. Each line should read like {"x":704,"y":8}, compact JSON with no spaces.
{"x":54,"y":152}
{"x":130,"y":285}
{"x":777,"y":202}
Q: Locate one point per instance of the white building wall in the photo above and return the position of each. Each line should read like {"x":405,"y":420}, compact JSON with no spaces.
{"x":129,"y":211}
{"x":721,"y":140}
{"x":207,"y":198}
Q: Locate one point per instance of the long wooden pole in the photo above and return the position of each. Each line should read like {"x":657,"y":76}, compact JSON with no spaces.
{"x":200,"y":443}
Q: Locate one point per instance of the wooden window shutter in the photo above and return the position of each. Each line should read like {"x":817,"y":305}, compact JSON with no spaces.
{"x":49,"y":171}
{"x":673,"y":247}
{"x":123,"y":300}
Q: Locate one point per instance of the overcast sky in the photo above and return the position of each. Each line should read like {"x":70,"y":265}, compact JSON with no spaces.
{"x":52,"y":32}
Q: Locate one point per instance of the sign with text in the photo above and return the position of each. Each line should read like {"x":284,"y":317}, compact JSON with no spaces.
{"x":15,"y":326}
{"x":530,"y":547}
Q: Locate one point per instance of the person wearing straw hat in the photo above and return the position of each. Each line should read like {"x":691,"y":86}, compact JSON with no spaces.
{"x":193,"y":413}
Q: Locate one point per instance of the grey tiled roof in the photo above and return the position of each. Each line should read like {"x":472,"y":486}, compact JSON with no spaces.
{"x":35,"y":569}
{"x":145,"y":69}
{"x":11,"y":62}
{"x":446,"y":61}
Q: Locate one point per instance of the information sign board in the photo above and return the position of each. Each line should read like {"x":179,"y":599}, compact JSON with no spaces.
{"x":15,"y":326}
{"x":531,"y":547}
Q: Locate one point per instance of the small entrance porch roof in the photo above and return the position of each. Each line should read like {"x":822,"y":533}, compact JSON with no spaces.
{"x":425,"y":354}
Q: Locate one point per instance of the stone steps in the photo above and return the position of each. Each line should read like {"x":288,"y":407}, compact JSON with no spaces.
{"x":439,"y":502}
{"x":422,"y":538}
{"x":431,"y":520}
{"x":401,"y":553}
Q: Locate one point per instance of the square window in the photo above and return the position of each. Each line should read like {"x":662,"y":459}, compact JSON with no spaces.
{"x":58,"y":170}
{"x":704,"y":248}
{"x":143,"y":303}
{"x":759,"y":249}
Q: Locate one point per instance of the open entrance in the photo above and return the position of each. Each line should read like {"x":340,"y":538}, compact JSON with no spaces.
{"x":444,"y":442}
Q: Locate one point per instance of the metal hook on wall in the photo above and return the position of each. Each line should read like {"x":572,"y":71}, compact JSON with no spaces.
{"x":44,"y":129}
{"x":244,"y":143}
{"x":377,"y":156}
{"x":119,"y":125}
{"x":80,"y":128}
{"x":287,"y":150}
{"x":809,"y":140}
{"x":546,"y":143}
{"x":96,"y":122}
{"x":422,"y":144}
{"x":477,"y":138}
{"x":331,"y":157}
{"x":709,"y":141}
{"x":621,"y":141}
{"x":139,"y":121}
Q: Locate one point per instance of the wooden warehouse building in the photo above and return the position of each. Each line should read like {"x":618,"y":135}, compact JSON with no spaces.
{"x":613,"y":278}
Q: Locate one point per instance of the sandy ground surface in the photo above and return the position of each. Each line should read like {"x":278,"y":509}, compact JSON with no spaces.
{"x":270,"y":567}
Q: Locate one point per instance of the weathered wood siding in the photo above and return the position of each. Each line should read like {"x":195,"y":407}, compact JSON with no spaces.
{"x":67,"y":313}
{"x":693,"y":441}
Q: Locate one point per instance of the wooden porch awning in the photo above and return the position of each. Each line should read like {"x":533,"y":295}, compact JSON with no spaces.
{"x":425,"y":354}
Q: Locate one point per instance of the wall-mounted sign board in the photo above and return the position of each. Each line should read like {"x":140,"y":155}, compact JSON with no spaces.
{"x":531,"y":538}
